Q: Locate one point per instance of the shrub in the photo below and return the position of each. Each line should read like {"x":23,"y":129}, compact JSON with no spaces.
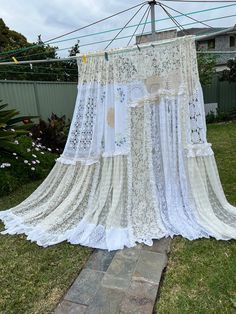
{"x":11,"y":126}
{"x":52,"y":134}
{"x":221,"y":116}
{"x":29,"y":162}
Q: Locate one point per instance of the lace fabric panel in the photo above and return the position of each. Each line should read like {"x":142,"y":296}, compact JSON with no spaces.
{"x":170,"y":171}
{"x":145,"y":216}
{"x":107,"y":88}
{"x":212,"y":210}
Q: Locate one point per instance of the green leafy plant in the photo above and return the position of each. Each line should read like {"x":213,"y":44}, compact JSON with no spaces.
{"x":12,"y":126}
{"x":51,"y":134}
{"x":230,"y":73}
{"x":206,"y":68}
{"x":221,"y":116}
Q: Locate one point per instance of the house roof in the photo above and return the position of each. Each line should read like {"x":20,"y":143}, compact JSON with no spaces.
{"x":204,"y":30}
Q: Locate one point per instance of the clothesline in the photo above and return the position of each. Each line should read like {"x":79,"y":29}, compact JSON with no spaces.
{"x":76,"y":57}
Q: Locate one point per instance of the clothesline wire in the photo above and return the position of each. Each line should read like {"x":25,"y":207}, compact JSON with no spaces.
{"x":111,"y":30}
{"x":98,"y":33}
{"x":192,"y":18}
{"x":181,"y":28}
{"x":68,"y":33}
{"x":98,"y":42}
{"x":140,"y":38}
{"x":201,"y":1}
{"x":146,"y":12}
{"x":39,"y":73}
{"x":126,"y":24}
{"x":71,"y":74}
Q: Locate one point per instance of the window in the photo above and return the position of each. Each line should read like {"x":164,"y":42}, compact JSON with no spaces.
{"x":211,"y":43}
{"x":232,"y":41}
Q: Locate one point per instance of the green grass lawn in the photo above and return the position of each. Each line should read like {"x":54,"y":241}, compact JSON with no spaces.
{"x":32,"y":278}
{"x":201,"y":275}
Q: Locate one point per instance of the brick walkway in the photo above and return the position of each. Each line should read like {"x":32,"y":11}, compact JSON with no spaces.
{"x":124,"y":281}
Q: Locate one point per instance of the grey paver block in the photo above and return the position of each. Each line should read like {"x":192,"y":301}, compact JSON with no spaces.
{"x":85,"y":286}
{"x":139,"y":298}
{"x":100,"y":260}
{"x":143,"y":289}
{"x":67,"y":307}
{"x":131,"y":253}
{"x":138,"y":305}
{"x":114,"y":282}
{"x":106,"y":301}
{"x":149,"y":266}
{"x":159,"y":246}
{"x":119,"y":272}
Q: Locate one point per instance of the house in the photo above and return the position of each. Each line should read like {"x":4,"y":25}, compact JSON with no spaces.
{"x":224,"y":41}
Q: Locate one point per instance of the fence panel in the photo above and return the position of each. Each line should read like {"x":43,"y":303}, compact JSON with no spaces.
{"x":227,"y":96}
{"x":39,"y":98}
{"x":19,"y":95}
{"x":221,"y":92}
{"x":56,"y":97}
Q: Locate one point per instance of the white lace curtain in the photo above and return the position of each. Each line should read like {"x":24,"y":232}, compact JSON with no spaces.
{"x":137,"y":165}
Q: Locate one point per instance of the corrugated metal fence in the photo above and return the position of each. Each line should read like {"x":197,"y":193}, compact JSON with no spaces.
{"x":43,"y":98}
{"x":39,"y":98}
{"x":221,"y":92}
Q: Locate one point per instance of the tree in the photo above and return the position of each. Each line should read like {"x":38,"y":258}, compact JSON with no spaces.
{"x":54,"y":71}
{"x":230,"y":73}
{"x":206,"y":68}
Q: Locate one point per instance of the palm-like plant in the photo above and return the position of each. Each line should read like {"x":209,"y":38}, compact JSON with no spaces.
{"x":11,"y":126}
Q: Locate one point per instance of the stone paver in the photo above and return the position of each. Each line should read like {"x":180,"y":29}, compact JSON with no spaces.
{"x":106,"y":301}
{"x":100,"y":260}
{"x":124,"y":281}
{"x":150,"y":266}
{"x":70,"y":308}
{"x":139,"y":298}
{"x":85,"y":286}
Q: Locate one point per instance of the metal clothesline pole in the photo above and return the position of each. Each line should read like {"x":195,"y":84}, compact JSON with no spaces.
{"x":153,"y":26}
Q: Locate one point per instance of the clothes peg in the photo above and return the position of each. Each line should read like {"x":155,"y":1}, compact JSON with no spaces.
{"x":84,"y":59}
{"x":106,"y":56}
{"x":15,"y":60}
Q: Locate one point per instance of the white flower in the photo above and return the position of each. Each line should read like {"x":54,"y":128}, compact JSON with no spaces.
{"x":13,"y":130}
{"x":16,"y":142}
{"x":38,"y":161}
{"x":34,"y":155}
{"x":29,"y":164}
{"x":30,"y":134}
{"x":14,"y":154}
{"x":28,"y":150}
{"x":42,"y":153}
{"x":57,"y":149}
{"x":39,"y":138}
{"x":26,"y":161}
{"x":49,"y":149}
{"x":33,"y":144}
{"x":6,"y":164}
{"x":40,"y":132}
{"x":33,"y":162}
{"x":36,"y":148}
{"x":16,"y":157}
{"x":32,"y":168}
{"x":2,"y":166}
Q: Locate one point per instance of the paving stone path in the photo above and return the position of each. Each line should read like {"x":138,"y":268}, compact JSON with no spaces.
{"x":124,"y":281}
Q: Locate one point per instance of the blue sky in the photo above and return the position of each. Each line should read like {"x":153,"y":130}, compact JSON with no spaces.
{"x":54,"y":17}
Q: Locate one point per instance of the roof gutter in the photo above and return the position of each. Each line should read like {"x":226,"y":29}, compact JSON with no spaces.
{"x":203,"y":37}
